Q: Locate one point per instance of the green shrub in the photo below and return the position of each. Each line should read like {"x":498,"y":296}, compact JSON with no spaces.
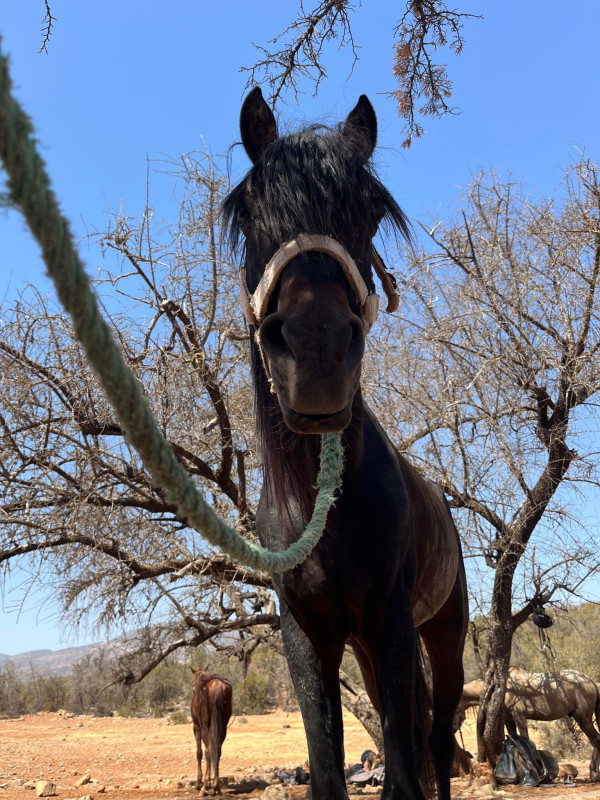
{"x":250,"y":695}
{"x":179,"y":718}
{"x":563,"y":739}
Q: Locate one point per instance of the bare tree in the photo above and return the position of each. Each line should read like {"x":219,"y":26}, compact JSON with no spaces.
{"x":76,"y":502}
{"x":491,"y":379}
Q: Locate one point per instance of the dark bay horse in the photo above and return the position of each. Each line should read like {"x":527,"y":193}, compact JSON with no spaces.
{"x":211,"y":710}
{"x":389,"y":566}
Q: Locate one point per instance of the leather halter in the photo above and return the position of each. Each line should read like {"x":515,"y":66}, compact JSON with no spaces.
{"x":255,"y":306}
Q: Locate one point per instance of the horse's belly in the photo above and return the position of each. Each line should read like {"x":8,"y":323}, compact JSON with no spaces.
{"x":438,"y":562}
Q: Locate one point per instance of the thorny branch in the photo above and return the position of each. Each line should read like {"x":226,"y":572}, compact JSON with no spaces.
{"x":426,"y":27}
{"x":47,"y":25}
{"x":302,"y":55}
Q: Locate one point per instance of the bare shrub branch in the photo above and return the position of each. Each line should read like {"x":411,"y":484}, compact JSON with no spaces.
{"x":302,"y":54}
{"x":47,"y":25}
{"x":426,"y":27}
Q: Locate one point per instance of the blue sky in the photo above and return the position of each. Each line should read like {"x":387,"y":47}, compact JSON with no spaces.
{"x":133,"y":80}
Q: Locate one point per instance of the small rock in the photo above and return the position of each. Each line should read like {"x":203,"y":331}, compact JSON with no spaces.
{"x":485,"y":791}
{"x":13,"y":783}
{"x":275,"y":792}
{"x":45,"y":789}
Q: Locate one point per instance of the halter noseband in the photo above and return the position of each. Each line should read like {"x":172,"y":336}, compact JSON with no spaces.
{"x":255,"y":306}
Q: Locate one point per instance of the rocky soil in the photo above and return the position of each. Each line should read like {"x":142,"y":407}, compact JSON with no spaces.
{"x":149,"y":759}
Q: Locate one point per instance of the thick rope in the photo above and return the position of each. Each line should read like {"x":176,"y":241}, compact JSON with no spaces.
{"x":30,"y":189}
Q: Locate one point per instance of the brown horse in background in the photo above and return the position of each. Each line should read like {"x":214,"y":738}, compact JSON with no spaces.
{"x":211,"y":710}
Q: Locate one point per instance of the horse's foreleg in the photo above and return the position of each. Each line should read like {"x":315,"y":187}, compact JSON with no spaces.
{"x":520,"y":723}
{"x":444,"y":637}
{"x":316,"y":681}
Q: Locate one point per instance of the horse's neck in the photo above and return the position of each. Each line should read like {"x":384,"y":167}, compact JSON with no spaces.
{"x":292,"y":461}
{"x":472,"y":692}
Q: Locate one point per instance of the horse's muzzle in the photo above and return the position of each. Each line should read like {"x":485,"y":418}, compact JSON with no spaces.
{"x":316,"y":423}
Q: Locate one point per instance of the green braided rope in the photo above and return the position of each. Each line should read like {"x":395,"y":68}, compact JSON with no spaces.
{"x":30,"y":190}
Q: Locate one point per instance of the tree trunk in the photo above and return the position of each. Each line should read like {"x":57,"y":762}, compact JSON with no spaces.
{"x":490,"y":719}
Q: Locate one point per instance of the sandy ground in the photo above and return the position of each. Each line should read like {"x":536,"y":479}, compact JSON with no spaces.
{"x":139,"y":759}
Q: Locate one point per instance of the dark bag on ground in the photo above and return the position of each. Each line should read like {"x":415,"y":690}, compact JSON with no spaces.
{"x":520,"y":762}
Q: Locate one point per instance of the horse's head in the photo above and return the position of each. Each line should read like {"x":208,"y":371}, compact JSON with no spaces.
{"x":308,"y":210}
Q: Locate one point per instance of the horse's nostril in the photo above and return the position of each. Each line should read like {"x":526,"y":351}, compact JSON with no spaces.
{"x":271,"y":336}
{"x":356,"y":348}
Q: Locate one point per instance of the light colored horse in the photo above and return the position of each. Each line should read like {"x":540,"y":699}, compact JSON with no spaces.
{"x":546,"y":696}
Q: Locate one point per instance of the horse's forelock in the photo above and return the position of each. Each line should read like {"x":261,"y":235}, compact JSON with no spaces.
{"x":314,"y":181}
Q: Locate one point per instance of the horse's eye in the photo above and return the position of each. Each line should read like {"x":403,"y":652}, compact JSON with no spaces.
{"x":244,"y":222}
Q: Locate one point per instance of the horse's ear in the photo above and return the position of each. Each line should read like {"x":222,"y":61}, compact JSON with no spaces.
{"x":361,"y":126}
{"x":257,"y":124}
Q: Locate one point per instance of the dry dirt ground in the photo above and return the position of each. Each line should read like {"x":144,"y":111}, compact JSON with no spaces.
{"x":148,"y":759}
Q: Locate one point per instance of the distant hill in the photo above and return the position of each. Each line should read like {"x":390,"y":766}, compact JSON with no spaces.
{"x":56,"y":662}
{"x":61,"y":662}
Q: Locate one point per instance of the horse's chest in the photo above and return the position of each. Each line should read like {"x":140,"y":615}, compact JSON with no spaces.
{"x":335,"y":590}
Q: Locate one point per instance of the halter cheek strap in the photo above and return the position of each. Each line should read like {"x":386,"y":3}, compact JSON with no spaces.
{"x":255,"y":306}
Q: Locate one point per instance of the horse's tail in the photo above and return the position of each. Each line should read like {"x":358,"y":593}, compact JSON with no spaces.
{"x":597,"y":708}
{"x":423,"y":717}
{"x":220,"y":713}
